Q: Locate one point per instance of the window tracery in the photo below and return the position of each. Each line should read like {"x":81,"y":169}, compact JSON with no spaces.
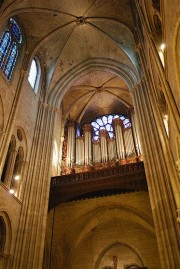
{"x":10,"y":43}
{"x":106,"y":122}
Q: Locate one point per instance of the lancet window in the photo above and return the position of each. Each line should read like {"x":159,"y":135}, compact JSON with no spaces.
{"x":10,"y":44}
{"x":34,"y":74}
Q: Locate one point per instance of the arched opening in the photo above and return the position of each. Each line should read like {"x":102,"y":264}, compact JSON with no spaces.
{"x":34,"y":74}
{"x":6,"y":172}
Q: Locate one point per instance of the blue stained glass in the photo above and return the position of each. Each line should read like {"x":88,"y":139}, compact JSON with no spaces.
{"x":4,"y":45}
{"x":108,"y":127}
{"x":105,"y":122}
{"x":99,"y":121}
{"x":16,"y":31}
{"x":110,"y":119}
{"x":11,"y":60}
{"x":104,"y":119}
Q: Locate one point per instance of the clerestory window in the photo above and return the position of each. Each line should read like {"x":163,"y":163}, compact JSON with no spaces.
{"x":10,"y":43}
{"x":34,"y":74}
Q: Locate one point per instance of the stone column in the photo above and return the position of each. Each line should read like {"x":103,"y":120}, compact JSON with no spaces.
{"x":2,"y":134}
{"x":31,"y":233}
{"x":5,"y":139}
{"x":159,"y":179}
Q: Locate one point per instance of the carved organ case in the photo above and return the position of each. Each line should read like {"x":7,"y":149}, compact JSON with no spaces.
{"x":106,"y":140}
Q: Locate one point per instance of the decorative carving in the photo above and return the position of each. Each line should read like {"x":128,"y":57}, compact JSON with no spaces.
{"x":87,"y":128}
{"x":115,"y":262}
{"x":117,"y":122}
{"x":81,"y":21}
{"x":130,"y":177}
{"x":103,"y":133}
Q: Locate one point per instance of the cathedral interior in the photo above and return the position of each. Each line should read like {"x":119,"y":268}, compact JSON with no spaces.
{"x":89,"y":134}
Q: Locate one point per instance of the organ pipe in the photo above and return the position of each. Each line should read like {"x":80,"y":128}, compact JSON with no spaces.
{"x":112,"y":149}
{"x":128,"y":138}
{"x":136,"y":133}
{"x":119,"y":138}
{"x":96,"y":152}
{"x":87,"y":144}
{"x":71,"y":144}
{"x":103,"y":142}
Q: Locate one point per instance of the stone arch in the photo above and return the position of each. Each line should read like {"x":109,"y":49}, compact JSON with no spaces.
{"x":21,"y":141}
{"x":55,"y":96}
{"x":8,"y":231}
{"x":73,"y":256}
{"x":111,"y":246}
{"x":103,"y":214}
{"x":11,"y":148}
{"x":99,"y":217}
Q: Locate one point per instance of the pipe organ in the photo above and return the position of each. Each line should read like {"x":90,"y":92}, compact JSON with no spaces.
{"x":84,"y":151}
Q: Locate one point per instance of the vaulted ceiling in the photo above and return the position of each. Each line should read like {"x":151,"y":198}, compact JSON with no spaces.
{"x":64,"y":33}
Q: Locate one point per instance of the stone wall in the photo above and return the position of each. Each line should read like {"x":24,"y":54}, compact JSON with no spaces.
{"x":88,"y":233}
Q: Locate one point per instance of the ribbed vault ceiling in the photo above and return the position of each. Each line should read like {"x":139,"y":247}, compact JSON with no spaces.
{"x":64,"y":33}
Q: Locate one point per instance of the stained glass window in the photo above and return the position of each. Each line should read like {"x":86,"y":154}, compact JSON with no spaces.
{"x":33,"y":73}
{"x":105,"y":122}
{"x":4,"y":46}
{"x":11,"y":61}
{"x":16,"y":30}
{"x":10,"y":43}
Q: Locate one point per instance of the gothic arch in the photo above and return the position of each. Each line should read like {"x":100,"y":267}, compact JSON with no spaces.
{"x":111,"y":246}
{"x":104,"y":213}
{"x":8,"y":231}
{"x":21,"y":141}
{"x":56,"y":95}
